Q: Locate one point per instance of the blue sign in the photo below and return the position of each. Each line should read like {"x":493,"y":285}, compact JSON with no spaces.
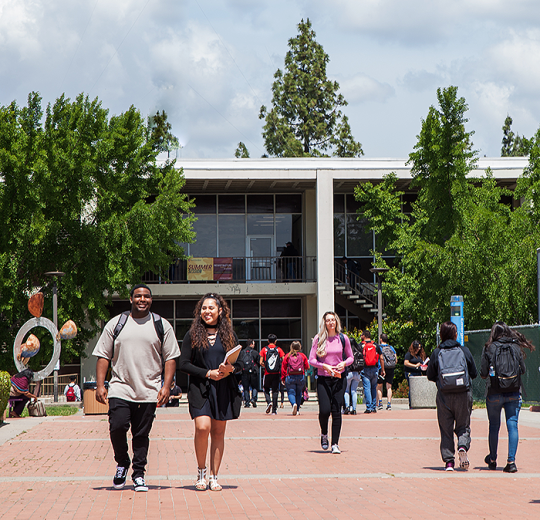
{"x":456,"y":316}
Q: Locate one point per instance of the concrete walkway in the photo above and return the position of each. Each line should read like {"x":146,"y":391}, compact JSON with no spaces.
{"x":390,"y":467}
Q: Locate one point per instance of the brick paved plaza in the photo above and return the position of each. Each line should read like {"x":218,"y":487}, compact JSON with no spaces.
{"x":390,"y":467}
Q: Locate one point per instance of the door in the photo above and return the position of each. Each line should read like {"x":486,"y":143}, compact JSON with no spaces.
{"x":261,"y":266}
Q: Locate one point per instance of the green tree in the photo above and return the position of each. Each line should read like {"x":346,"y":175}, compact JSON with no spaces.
{"x":241,"y":151}
{"x":460,"y":237}
{"x":514,"y":145}
{"x":81,"y":192}
{"x":161,"y":133}
{"x":305,"y":119}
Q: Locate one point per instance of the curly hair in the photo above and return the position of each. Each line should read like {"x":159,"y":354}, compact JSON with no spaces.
{"x":197,"y":331}
{"x":412,"y":349}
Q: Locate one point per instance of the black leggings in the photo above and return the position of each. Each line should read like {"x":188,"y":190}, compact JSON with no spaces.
{"x":330,"y":392}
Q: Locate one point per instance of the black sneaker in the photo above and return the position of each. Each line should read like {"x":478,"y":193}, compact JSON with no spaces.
{"x":510,"y":468}
{"x":247,"y":405}
{"x":367,"y":411}
{"x":268,"y":407}
{"x":254,"y":404}
{"x":139,"y":484}
{"x":324,"y":442}
{"x":119,"y":480}
{"x":491,"y":464}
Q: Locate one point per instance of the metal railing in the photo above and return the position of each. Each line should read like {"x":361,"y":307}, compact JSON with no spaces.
{"x":354,"y":284}
{"x":269,"y":269}
{"x":47,"y":385}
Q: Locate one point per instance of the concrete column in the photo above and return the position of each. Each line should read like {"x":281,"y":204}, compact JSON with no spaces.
{"x":325,"y":242}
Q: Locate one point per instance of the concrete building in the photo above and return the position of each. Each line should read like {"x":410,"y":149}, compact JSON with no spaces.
{"x":249,"y":209}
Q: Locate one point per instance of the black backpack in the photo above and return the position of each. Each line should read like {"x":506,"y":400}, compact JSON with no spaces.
{"x":453,"y":371}
{"x":507,"y":368}
{"x":272,"y":362}
{"x":358,"y":363}
{"x":248,"y":361}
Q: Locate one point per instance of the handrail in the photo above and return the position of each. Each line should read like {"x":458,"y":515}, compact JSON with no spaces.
{"x":269,"y":269}
{"x":353,"y":282}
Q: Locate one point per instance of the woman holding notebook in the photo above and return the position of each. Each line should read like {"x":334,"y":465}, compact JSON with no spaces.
{"x":213,"y":395}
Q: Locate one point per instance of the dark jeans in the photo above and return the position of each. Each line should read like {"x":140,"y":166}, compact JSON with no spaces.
{"x":272,"y":382}
{"x":511,"y":402}
{"x":454,"y":416}
{"x":140,"y":416}
{"x":250,"y":379}
{"x":330,"y":392}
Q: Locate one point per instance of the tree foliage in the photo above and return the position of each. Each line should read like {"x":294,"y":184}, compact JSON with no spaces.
{"x":82,"y":193}
{"x":461,"y":236}
{"x":241,"y":151}
{"x":514,"y":145}
{"x":305,"y":119}
{"x":161,"y":133}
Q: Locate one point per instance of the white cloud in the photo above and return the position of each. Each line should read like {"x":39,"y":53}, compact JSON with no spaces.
{"x":361,"y":88}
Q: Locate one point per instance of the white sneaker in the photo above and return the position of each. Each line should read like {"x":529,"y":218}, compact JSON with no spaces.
{"x":335,"y":449}
{"x":463,"y":459}
{"x":295,"y":409}
{"x":139,"y":484}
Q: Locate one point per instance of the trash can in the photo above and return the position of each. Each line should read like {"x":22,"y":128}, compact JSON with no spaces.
{"x":91,"y":406}
{"x":423,"y":392}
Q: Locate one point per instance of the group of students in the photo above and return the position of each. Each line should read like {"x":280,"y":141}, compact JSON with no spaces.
{"x":452,"y":367}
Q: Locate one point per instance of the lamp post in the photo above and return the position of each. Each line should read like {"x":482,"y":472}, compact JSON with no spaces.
{"x":378,"y":271}
{"x":55,"y":275}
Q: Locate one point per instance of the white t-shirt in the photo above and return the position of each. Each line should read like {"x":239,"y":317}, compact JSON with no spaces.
{"x":138,"y":357}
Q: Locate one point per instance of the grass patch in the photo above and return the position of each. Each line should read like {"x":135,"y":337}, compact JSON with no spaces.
{"x":57,"y":410}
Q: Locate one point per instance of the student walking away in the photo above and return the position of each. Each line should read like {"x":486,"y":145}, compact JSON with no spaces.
{"x":250,"y":374}
{"x":19,"y":392}
{"x":502,"y":364}
{"x":330,"y":353}
{"x":353,"y":379}
{"x":373,"y":359}
{"x":390,"y":361}
{"x":415,"y":363}
{"x":293,"y":370}
{"x":174,"y":396}
{"x":452,"y":367}
{"x":136,"y":344}
{"x":270,"y":359}
{"x":72,"y":390}
{"x":214,"y":397}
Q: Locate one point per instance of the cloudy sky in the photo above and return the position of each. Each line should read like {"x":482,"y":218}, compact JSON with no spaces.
{"x":210,"y":63}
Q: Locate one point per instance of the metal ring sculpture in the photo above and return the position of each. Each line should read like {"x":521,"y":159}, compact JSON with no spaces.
{"x":27,"y":327}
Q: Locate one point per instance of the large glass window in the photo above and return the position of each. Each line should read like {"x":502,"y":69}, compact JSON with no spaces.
{"x":260,"y":225}
{"x":359,"y":239}
{"x":339,"y":235}
{"x":206,"y":242}
{"x":260,"y":204}
{"x":232,"y":204}
{"x":232,"y":232}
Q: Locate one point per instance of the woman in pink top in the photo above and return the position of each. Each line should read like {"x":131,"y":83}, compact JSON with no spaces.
{"x":330,"y":353}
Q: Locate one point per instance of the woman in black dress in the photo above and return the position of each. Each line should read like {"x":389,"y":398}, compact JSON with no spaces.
{"x":213,"y":395}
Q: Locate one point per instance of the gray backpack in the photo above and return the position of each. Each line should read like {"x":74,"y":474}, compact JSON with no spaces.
{"x":453,"y":371}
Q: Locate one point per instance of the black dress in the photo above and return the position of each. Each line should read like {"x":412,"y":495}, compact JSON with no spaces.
{"x":221,"y":400}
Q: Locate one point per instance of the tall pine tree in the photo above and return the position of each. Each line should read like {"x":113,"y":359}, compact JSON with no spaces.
{"x":305,"y":119}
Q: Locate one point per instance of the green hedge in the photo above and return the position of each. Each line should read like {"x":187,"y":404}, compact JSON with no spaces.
{"x":5,"y":385}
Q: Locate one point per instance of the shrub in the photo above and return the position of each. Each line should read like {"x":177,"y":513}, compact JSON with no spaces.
{"x":402,"y":389}
{"x":5,"y":385}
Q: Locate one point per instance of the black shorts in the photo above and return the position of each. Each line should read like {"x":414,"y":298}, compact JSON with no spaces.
{"x":388,"y":377}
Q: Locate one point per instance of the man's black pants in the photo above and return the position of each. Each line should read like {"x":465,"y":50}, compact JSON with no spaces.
{"x":271,"y":382}
{"x":140,"y":416}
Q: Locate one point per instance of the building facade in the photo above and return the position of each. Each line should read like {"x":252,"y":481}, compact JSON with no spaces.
{"x":281,"y":228}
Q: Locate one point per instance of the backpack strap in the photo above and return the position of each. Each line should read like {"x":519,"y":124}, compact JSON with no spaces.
{"x":119,"y":326}
{"x":156,"y":319}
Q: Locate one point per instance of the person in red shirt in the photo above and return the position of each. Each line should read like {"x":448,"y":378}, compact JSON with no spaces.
{"x":270,"y":359}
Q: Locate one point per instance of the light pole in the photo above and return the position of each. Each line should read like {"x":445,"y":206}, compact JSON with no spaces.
{"x":378,"y":271}
{"x":55,"y":275}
